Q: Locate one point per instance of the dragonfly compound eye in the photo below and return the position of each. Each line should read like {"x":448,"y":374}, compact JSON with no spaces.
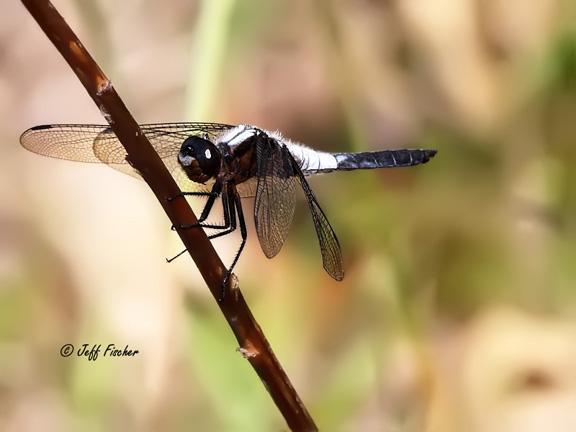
{"x":199,"y":158}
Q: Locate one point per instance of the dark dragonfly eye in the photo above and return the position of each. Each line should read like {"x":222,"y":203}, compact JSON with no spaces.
{"x":200,"y":159}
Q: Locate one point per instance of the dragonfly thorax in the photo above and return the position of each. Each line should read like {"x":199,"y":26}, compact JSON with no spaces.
{"x":199,"y":158}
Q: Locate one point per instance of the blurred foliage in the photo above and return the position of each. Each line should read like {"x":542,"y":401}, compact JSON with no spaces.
{"x":457,"y":310}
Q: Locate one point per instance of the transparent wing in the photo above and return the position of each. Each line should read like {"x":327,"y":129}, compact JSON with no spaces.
{"x":275,"y":196}
{"x":70,"y":142}
{"x":99,"y":144}
{"x":329,"y":245}
{"x":278,"y":174}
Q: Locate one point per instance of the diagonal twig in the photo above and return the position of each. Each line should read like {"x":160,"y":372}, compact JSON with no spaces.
{"x":141,"y":155}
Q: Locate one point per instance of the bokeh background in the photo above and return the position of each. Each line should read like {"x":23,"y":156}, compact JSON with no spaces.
{"x":457,"y":312}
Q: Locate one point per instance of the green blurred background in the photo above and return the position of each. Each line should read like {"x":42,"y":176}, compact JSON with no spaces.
{"x":457,"y":312}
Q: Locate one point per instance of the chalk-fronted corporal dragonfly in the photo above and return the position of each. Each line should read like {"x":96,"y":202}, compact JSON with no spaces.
{"x":229,"y":162}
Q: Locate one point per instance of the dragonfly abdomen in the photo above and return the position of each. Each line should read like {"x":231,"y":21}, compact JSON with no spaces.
{"x":382,"y":159}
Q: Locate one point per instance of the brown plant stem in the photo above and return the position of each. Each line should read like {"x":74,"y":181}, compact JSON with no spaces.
{"x":141,"y":155}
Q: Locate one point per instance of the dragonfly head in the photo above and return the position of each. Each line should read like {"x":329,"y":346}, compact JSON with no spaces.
{"x":199,"y":158}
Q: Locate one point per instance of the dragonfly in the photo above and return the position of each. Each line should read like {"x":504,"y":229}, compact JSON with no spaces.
{"x":229,"y":162}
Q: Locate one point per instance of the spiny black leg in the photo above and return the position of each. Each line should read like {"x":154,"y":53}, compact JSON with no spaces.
{"x":212,"y":195}
{"x":229,"y":217}
{"x":232,"y":206}
{"x":183,"y":194}
{"x":228,"y":227}
{"x":179,"y":254}
{"x":243,"y":231}
{"x":235,"y":204}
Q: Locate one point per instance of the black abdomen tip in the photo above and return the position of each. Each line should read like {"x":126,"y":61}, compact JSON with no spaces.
{"x":428,"y":154}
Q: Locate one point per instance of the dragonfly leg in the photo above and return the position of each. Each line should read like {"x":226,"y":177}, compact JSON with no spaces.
{"x":212,"y":195}
{"x":229,"y":217}
{"x":237,"y":205}
{"x":185,"y":194}
{"x":178,"y":255}
{"x":228,"y":227}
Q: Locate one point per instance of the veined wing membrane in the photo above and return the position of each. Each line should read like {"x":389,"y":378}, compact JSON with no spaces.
{"x":70,"y":142}
{"x":278,"y":175}
{"x":275,"y":196}
{"x":329,"y":245}
{"x":99,"y":144}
